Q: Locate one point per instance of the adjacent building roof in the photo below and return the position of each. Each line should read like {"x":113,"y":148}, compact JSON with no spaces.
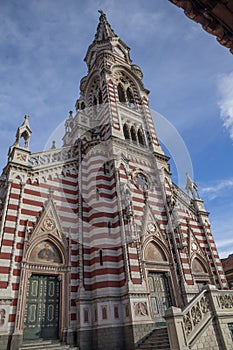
{"x":215,"y":16}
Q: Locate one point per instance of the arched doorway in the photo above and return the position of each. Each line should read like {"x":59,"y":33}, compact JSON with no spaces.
{"x":159,"y":281}
{"x":43,"y":302}
{"x":41,"y":318}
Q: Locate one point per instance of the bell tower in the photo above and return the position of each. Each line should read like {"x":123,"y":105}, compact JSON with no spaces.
{"x":113,"y":94}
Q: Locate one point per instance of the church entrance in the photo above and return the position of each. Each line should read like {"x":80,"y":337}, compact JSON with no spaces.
{"x":160,"y":295}
{"x":41,"y":318}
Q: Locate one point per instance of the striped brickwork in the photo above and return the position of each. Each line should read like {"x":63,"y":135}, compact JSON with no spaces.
{"x":93,"y":191}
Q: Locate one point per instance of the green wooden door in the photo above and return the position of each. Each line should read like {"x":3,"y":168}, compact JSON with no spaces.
{"x":160,"y":295}
{"x":42,"y":308}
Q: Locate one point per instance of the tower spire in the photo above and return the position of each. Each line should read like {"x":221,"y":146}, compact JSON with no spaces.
{"x":104,"y":30}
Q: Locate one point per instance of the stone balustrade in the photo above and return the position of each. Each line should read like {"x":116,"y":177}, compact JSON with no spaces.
{"x":52,"y":156}
{"x":181,"y":194}
{"x":205,"y":323}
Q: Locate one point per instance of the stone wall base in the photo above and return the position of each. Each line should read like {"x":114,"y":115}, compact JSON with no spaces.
{"x":5,"y":341}
{"x":16,"y":341}
{"x":113,"y":338}
{"x":69,"y":337}
{"x":141,"y":330}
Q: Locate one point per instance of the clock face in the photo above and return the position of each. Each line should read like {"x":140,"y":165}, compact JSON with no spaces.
{"x":151,"y":227}
{"x":141,"y":181}
{"x":49,"y":224}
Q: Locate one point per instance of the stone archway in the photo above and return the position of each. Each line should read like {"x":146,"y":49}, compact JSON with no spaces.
{"x":200,"y":273}
{"x":158,"y":279}
{"x":44,"y":291}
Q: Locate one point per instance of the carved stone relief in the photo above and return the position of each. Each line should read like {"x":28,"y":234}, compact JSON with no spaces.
{"x":140,"y":309}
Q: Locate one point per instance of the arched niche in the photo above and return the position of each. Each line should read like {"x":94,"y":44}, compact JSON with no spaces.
{"x":126,"y":131}
{"x":198,"y":267}
{"x":121,"y":93}
{"x":45,"y":252}
{"x":153,"y":252}
{"x":133,"y":134}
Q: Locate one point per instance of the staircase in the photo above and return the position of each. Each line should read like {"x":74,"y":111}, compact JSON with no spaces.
{"x":156,"y":340}
{"x":41,"y":344}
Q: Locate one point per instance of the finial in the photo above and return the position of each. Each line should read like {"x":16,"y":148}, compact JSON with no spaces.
{"x":101,"y":12}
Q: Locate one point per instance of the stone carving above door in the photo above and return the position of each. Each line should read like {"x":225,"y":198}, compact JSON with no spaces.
{"x":45,"y":252}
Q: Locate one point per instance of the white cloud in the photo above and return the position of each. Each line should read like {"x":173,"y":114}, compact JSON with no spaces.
{"x":225,"y":103}
{"x":224,"y":242}
{"x":217,"y":189}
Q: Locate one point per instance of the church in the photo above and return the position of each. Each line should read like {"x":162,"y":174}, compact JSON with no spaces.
{"x":100,"y":249}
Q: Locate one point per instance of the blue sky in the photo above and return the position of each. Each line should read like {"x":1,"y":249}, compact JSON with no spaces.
{"x":190,"y":76}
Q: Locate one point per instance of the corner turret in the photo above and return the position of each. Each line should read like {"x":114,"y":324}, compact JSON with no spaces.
{"x":19,"y":151}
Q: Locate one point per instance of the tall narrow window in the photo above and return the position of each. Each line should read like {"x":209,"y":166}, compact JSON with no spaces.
{"x":100,"y":98}
{"x":141,"y":137}
{"x":126,"y":131}
{"x":130,"y":97}
{"x":106,"y":168}
{"x":121,"y":93}
{"x":82,"y":105}
{"x":133,"y":134}
{"x":97,"y":194}
{"x":101,"y":257}
{"x":95,"y":105}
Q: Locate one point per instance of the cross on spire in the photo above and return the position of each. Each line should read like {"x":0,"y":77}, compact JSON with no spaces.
{"x":104,"y":30}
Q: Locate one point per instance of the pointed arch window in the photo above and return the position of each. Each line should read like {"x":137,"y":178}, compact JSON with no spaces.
{"x":82,"y":105}
{"x":97,"y":99}
{"x":133,"y":134}
{"x":126,"y":131}
{"x":141,"y":139}
{"x":121,"y":93}
{"x":130,"y":98}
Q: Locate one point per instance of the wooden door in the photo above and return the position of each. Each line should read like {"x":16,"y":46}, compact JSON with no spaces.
{"x":42,"y":308}
{"x":160,"y":295}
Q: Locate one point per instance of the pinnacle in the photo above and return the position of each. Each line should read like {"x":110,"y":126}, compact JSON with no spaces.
{"x":104,"y":30}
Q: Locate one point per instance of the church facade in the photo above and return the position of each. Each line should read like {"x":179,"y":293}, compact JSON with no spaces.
{"x":97,"y":242}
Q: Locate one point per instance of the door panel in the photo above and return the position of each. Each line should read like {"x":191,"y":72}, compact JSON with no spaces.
{"x":160,"y":294}
{"x":42,"y":308}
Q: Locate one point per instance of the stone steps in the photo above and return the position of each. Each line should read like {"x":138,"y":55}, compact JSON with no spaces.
{"x":156,"y":340}
{"x":41,"y":344}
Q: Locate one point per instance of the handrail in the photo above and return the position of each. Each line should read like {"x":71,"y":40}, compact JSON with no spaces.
{"x":196,"y":315}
